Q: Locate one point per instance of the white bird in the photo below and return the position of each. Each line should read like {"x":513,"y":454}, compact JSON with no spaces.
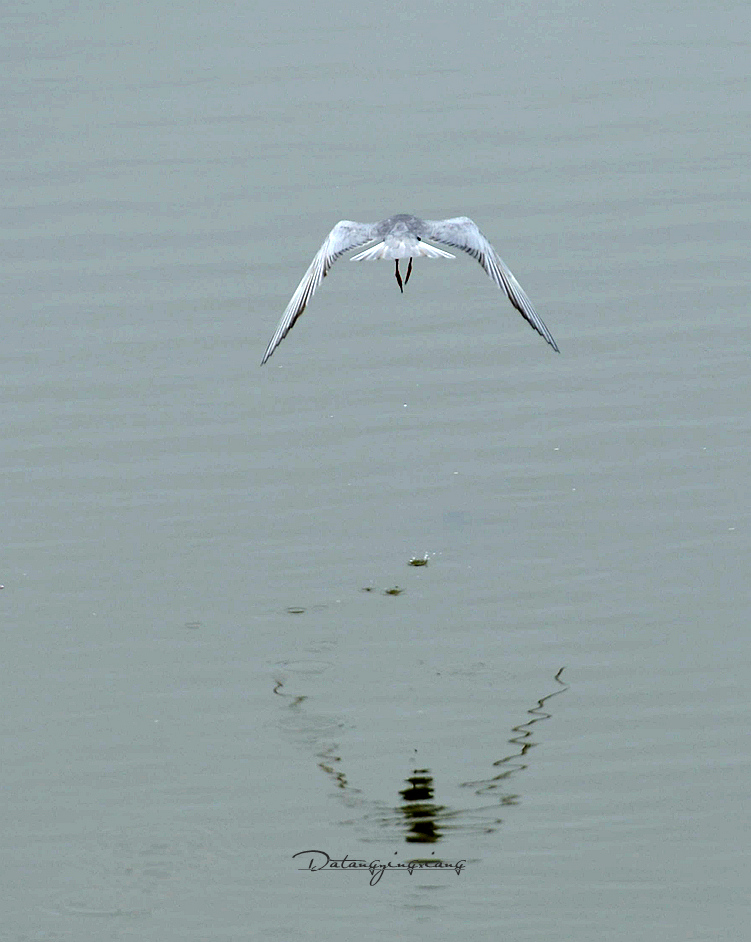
{"x":403,"y":236}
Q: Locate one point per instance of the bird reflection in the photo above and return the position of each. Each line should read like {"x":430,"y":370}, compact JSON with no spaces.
{"x":418,"y":816}
{"x":419,"y":810}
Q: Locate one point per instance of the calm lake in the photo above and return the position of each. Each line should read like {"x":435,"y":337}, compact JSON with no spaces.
{"x":216,"y":653}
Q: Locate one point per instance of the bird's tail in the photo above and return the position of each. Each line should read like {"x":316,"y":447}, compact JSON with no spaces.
{"x":381,"y":250}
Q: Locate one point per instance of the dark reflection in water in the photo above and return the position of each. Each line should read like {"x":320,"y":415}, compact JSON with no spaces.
{"x":419,"y":817}
{"x":419,"y":809}
{"x":511,"y":764}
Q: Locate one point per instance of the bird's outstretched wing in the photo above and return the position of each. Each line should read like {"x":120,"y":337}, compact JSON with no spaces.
{"x":344,"y":236}
{"x":462,"y":233}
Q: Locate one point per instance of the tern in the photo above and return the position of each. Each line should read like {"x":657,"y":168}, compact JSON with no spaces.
{"x":403,"y":236}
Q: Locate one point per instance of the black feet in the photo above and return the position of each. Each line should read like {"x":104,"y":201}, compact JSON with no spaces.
{"x":399,"y":277}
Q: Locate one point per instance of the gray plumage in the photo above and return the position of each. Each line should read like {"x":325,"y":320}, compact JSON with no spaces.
{"x":403,"y":236}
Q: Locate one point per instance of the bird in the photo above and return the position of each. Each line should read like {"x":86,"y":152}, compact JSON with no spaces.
{"x":403,"y":236}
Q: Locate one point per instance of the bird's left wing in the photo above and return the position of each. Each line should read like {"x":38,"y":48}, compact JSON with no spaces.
{"x":344,"y":236}
{"x":461,"y":233}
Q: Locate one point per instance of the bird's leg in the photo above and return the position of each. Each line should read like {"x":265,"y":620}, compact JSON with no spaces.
{"x":398,"y":276}
{"x":409,"y":270}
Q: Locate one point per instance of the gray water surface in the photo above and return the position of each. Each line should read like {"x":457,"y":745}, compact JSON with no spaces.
{"x":203,"y":672}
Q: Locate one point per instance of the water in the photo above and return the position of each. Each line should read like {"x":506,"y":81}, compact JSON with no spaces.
{"x":204,"y":673}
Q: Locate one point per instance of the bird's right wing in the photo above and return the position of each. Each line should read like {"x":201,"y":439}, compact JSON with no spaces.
{"x":344,"y":236}
{"x":461,"y":233}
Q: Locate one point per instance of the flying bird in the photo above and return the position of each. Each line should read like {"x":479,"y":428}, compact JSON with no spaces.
{"x":403,"y":236}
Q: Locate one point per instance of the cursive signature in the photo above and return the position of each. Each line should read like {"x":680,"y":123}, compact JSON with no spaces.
{"x":320,"y":860}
